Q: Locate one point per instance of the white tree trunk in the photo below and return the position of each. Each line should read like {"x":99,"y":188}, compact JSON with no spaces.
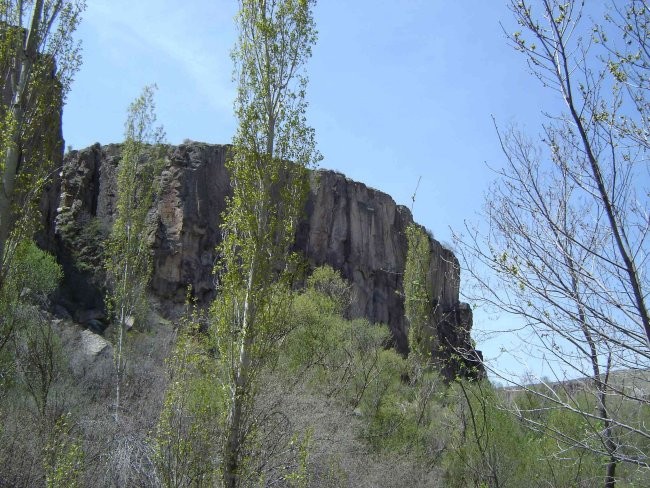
{"x":25,"y":58}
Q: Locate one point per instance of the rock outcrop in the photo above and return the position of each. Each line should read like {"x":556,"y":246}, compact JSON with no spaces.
{"x":355,"y":229}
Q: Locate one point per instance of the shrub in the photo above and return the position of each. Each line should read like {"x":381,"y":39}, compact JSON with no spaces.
{"x":490,"y":449}
{"x":63,"y":457}
{"x":188,"y":431}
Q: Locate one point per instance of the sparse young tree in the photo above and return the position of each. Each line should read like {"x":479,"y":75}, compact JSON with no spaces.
{"x":567,"y":241}
{"x":272,"y":149}
{"x":64,"y":456}
{"x":188,"y":430}
{"x":129,"y":259}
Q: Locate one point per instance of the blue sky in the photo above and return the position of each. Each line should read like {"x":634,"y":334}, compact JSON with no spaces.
{"x":398,"y":90}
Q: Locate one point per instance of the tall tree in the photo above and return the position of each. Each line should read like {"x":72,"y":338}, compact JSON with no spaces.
{"x":418,"y":302}
{"x":129,"y":260}
{"x":38,"y":59}
{"x":567,"y":241}
{"x":273,"y":147}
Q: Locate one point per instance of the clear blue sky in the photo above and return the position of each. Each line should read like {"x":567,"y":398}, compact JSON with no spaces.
{"x":398,"y":90}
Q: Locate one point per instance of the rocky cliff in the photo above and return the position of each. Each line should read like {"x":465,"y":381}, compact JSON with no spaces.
{"x":353,"y":228}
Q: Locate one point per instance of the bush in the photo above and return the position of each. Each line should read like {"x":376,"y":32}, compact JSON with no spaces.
{"x":349,"y":360}
{"x":63,"y":457}
{"x":490,"y":449}
{"x":32,"y":275}
{"x":188,"y":431}
{"x":36,"y":351}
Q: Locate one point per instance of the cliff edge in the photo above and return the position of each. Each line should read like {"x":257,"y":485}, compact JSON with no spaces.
{"x":355,"y":229}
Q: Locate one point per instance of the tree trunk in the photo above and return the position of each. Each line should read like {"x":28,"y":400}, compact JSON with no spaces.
{"x":234,"y":439}
{"x":25,"y":57}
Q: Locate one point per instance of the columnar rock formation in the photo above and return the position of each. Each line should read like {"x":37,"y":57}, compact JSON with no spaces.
{"x":353,"y":228}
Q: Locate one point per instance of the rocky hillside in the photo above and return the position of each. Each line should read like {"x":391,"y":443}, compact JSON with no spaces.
{"x":353,"y":228}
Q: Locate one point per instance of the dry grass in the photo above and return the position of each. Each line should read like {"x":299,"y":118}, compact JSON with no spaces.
{"x":338,"y":458}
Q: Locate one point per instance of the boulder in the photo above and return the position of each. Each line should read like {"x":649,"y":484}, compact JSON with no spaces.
{"x":93,"y":346}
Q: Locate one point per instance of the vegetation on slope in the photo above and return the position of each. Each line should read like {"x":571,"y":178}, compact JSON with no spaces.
{"x":335,"y":408}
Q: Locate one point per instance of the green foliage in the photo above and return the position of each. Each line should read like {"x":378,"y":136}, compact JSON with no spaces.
{"x":347,"y":357}
{"x":188,"y":432}
{"x":555,"y":415}
{"x":318,"y":330}
{"x":129,"y":261}
{"x":490,"y":449}
{"x":34,"y":269}
{"x":33,"y":275}
{"x":406,"y":418}
{"x":31,"y":358}
{"x":299,"y":477}
{"x":327,"y":282}
{"x":63,"y":457}
{"x":348,"y":360}
{"x":30,"y":110}
{"x":525,"y":438}
{"x":87,"y":239}
{"x":573,"y":464}
{"x":418,"y":302}
{"x":382,"y":399}
{"x":468,"y":429}
{"x":272,"y":149}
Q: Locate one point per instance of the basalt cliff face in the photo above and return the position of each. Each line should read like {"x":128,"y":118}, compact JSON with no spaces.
{"x":355,"y":229}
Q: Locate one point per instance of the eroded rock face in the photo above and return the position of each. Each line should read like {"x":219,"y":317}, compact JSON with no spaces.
{"x":188,"y":221}
{"x":353,"y":228}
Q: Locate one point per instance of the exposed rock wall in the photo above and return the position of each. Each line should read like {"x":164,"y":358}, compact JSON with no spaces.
{"x":353,"y":228}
